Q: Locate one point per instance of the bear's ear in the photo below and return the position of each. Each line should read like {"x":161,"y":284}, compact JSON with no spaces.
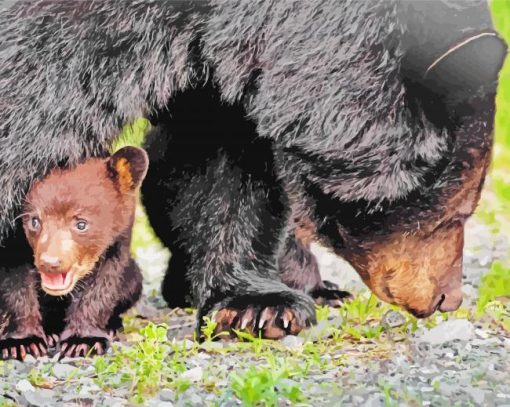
{"x":467,"y":66}
{"x":127,"y":167}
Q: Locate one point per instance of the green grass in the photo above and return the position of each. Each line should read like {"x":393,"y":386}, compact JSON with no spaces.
{"x":501,"y":158}
{"x":496,"y":212}
{"x":266,"y":372}
{"x":266,"y":385}
{"x":495,"y":284}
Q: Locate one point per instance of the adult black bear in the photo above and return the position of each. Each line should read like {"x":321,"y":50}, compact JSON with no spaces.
{"x":364,"y":124}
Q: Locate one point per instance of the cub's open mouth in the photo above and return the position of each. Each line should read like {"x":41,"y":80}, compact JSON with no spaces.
{"x":57,"y":283}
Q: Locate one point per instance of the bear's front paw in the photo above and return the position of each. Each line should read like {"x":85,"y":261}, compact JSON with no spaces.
{"x":329,"y":293}
{"x":267,"y":316}
{"x":19,"y":348}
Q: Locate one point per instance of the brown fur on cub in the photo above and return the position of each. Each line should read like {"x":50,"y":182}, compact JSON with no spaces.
{"x":78,"y":222}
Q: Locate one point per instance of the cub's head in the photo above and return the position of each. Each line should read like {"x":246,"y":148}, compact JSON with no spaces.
{"x":72,"y":216}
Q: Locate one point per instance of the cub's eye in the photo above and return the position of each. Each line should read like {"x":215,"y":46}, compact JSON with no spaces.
{"x":81,"y":225}
{"x":35,"y":223}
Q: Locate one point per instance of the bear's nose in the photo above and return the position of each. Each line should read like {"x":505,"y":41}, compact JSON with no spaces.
{"x":48,"y":261}
{"x":452,"y":300}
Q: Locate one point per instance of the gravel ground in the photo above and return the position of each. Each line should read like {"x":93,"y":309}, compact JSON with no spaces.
{"x":457,"y":362}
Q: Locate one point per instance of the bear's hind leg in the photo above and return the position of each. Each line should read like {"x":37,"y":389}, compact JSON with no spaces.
{"x":299,"y":269}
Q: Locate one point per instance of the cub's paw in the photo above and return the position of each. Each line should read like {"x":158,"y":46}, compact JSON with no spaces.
{"x":77,"y":346}
{"x":19,"y":348}
{"x":329,"y":293}
{"x":52,"y":340}
{"x":265,"y":316}
{"x":84,"y":342}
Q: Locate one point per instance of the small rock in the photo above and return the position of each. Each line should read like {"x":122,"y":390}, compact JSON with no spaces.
{"x":88,"y":389}
{"x":24,"y":385}
{"x":287,"y":383}
{"x":30,"y":359}
{"x":292,"y":342}
{"x":55,"y":358}
{"x":113,"y":401}
{"x":322,"y":330}
{"x":481,"y":333}
{"x":194,"y":374}
{"x":154,"y":402}
{"x":165,"y":404}
{"x":167,"y":395}
{"x":393,"y":319}
{"x":184,"y":344}
{"x":477,"y":395}
{"x":203,"y":356}
{"x":145,"y":309}
{"x":448,"y":389}
{"x":469,"y":291}
{"x":65,"y":360}
{"x":211,"y":345}
{"x":450,"y":330}
{"x":40,"y":397}
{"x":73,"y":399}
{"x":195,"y":400}
{"x":374,"y":400}
{"x":63,"y":371}
{"x":20,"y":367}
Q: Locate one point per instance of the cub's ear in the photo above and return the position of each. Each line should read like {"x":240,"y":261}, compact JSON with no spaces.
{"x":127,"y":167}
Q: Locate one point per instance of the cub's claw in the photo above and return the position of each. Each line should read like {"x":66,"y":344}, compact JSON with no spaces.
{"x":19,"y":348}
{"x":52,"y":340}
{"x":75,"y":347}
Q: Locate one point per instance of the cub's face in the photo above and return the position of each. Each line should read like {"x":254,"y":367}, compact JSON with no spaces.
{"x":74,"y":215}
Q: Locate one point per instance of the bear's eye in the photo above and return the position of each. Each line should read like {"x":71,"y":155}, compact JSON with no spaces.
{"x":81,"y":225}
{"x":35,"y":222}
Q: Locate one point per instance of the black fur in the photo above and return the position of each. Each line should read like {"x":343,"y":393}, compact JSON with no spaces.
{"x":257,"y":105}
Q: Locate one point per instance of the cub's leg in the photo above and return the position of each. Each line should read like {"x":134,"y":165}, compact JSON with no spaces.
{"x":93,"y":315}
{"x":21,"y":330}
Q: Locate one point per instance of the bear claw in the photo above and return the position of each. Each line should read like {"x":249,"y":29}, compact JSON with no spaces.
{"x":272,"y":322}
{"x":330,"y":294}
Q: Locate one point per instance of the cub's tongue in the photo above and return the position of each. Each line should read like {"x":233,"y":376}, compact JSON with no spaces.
{"x":55,"y":281}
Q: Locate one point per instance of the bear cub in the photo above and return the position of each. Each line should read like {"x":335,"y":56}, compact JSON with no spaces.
{"x":78,"y":222}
